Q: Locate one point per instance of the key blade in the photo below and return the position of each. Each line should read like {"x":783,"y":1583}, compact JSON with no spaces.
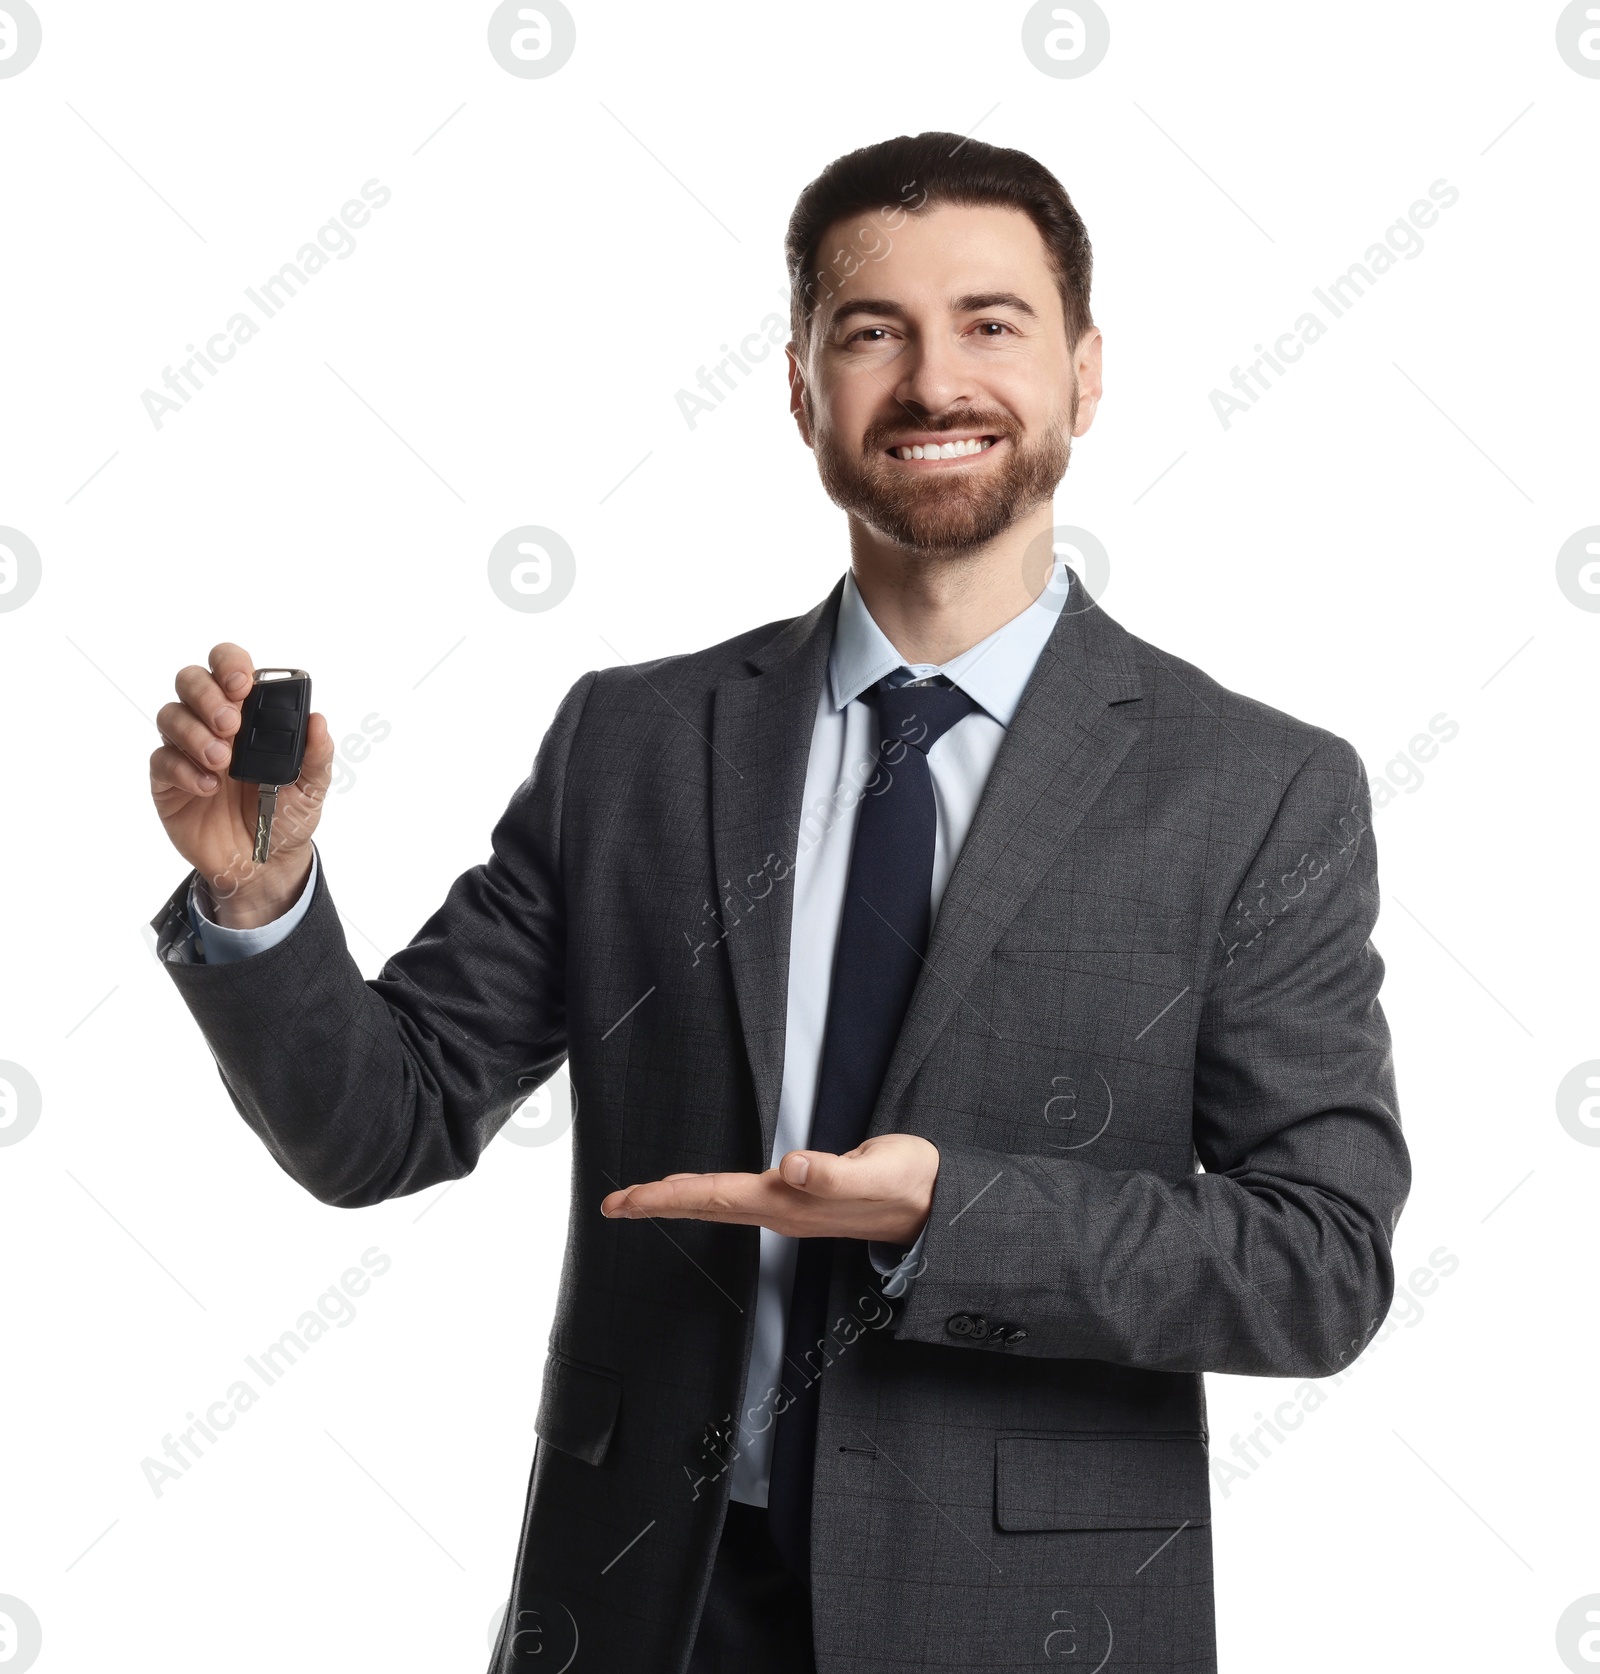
{"x":265,"y":808}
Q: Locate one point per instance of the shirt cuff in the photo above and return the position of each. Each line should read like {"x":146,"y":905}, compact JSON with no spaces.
{"x":897,"y":1272}
{"x":224,"y":946}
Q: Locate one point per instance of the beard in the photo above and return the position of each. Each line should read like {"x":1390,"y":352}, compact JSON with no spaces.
{"x":938,"y":512}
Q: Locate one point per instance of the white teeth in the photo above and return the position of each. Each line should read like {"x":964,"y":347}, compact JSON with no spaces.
{"x":945,"y":450}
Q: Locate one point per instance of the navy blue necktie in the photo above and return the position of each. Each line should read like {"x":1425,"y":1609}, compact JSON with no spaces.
{"x":883,"y":932}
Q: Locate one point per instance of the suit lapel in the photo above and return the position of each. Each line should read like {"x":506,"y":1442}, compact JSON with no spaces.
{"x":761,"y":745}
{"x":1074,"y":725}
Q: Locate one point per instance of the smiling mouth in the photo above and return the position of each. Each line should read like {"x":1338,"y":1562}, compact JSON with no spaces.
{"x":965,"y":447}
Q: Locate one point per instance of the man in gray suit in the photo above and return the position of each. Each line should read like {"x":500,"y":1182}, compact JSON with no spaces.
{"x":986,"y":994}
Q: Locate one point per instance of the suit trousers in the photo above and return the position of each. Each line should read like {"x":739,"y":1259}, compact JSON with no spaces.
{"x":757,"y":1616}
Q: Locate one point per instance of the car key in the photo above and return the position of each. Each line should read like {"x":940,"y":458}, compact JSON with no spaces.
{"x":271,"y":742}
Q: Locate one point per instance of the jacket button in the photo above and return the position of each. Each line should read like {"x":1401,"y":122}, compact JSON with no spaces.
{"x":1015,"y":1334}
{"x":960,"y":1325}
{"x":981,"y":1329}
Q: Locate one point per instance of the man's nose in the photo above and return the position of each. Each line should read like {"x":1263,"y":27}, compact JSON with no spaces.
{"x":933,"y":374}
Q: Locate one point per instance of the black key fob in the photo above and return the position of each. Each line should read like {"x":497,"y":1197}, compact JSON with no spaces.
{"x":271,"y":742}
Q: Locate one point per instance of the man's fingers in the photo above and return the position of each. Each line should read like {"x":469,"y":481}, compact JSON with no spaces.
{"x":711,"y":1197}
{"x":183,"y":729}
{"x":171,"y":769}
{"x":232,"y":669}
{"x":880,"y":1190}
{"x":316,"y":770}
{"x":870,"y":1171}
{"x":208,"y":702}
{"x":699,"y":1194}
{"x":795,"y":1170}
{"x":820,"y":1173}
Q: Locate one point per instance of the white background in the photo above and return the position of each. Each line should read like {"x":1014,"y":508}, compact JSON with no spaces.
{"x":1366,"y":548}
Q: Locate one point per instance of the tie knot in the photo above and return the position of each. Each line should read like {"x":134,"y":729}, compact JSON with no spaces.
{"x":920,"y":714}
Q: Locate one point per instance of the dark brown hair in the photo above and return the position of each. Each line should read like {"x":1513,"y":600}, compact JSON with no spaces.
{"x":883,"y":183}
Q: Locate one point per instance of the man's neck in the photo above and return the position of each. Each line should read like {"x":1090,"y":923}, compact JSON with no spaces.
{"x":932,"y":607}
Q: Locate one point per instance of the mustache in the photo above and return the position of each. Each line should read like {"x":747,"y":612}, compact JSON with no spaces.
{"x":887,"y":433}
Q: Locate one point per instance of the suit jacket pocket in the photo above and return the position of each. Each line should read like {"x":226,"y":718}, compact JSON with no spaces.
{"x":1106,"y":1479}
{"x":578,"y":1407}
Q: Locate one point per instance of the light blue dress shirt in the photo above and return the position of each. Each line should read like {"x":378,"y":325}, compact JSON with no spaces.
{"x":993,"y":673}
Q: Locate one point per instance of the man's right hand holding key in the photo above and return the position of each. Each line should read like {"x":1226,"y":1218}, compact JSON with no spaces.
{"x":211,"y":818}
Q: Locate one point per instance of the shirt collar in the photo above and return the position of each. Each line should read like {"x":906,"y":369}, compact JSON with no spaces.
{"x":992,"y":673}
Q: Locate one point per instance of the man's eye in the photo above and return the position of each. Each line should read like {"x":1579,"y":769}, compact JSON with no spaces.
{"x":867,"y":333}
{"x":992,"y":328}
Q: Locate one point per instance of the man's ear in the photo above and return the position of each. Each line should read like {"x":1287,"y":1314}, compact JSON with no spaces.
{"x":1087,"y":369}
{"x":798,"y":404}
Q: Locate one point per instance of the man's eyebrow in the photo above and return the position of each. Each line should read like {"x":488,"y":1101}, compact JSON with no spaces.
{"x":978,"y":301}
{"x":867,"y":305}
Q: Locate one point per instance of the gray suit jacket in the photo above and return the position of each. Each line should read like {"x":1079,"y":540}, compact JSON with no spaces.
{"x":1146,"y":1042}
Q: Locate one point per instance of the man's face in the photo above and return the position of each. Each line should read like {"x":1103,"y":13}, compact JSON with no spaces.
{"x":952,"y":346}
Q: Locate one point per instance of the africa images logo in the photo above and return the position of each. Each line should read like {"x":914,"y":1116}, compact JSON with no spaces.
{"x":20,"y":39}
